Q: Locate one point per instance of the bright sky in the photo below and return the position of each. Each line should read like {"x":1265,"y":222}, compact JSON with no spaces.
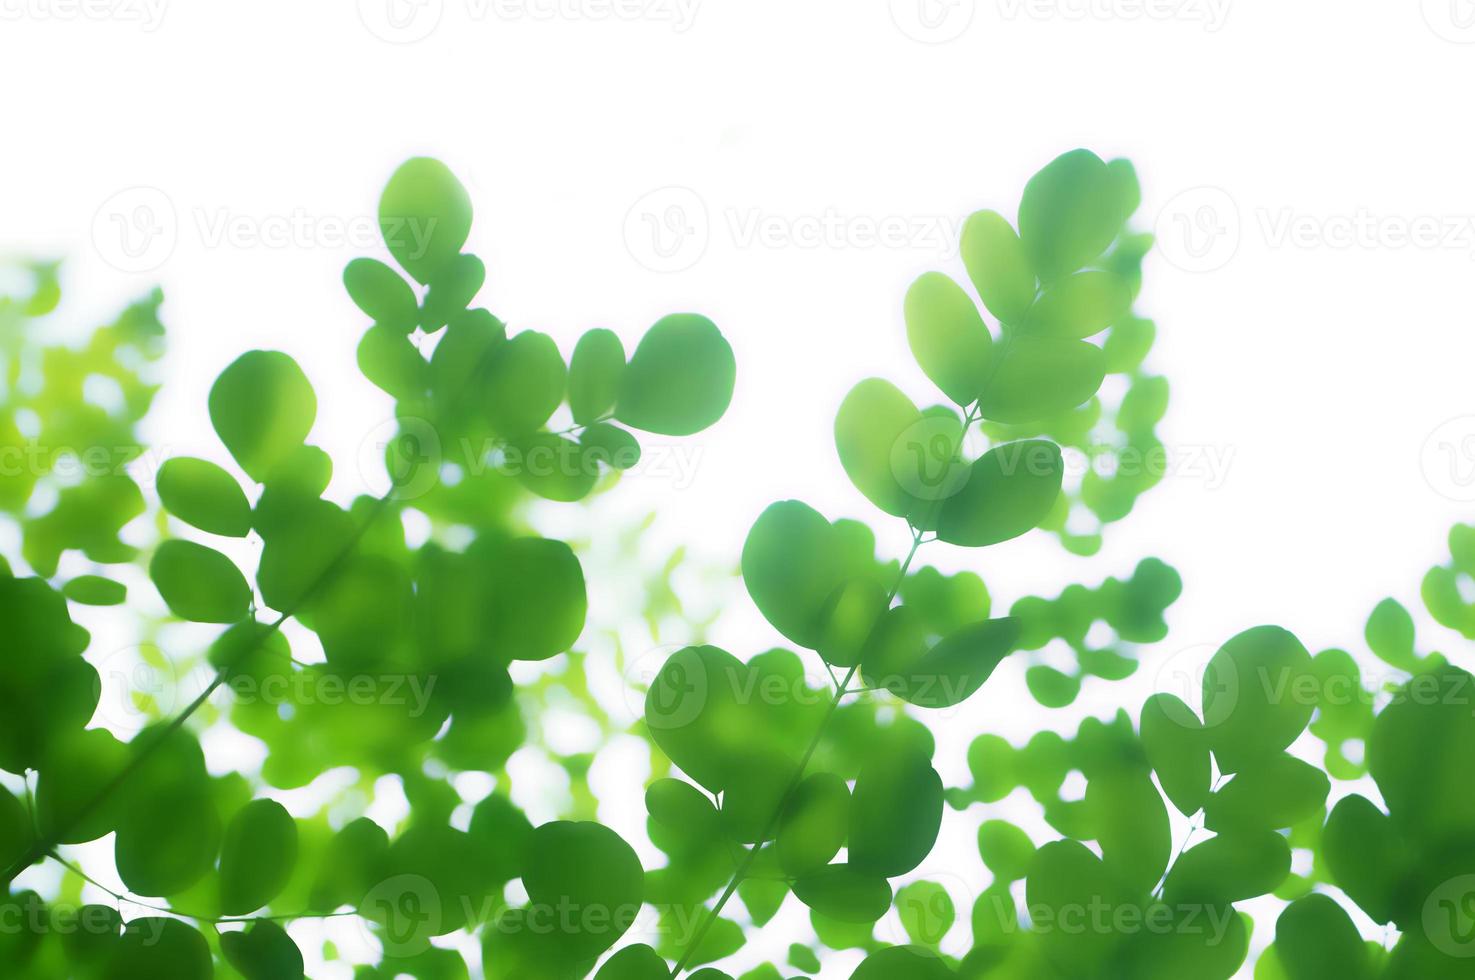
{"x":788,"y":169}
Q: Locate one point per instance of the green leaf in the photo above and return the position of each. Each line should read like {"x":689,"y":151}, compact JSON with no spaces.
{"x":1052,"y":688}
{"x":997,"y":264}
{"x":685,"y":811}
{"x":425,"y":217}
{"x":1081,"y":305}
{"x":1273,"y":793}
{"x":1037,"y":378}
{"x":1231,"y":867}
{"x":1177,"y":748}
{"x":1419,"y":754}
{"x":680,"y":378}
{"x":1131,"y":825}
{"x":845,"y":893}
{"x":388,"y":359}
{"x":1390,"y":635}
{"x":850,"y":616}
{"x":199,"y":583}
{"x":263,"y":951}
{"x":452,"y":289}
{"x":1256,"y":698}
{"x":537,"y":599}
{"x":15,"y":829}
{"x":877,"y":432}
{"x":73,"y":774}
{"x":753,"y":792}
{"x":955,"y":668}
{"x":610,"y":445}
{"x":1006,"y":850}
{"x":926,"y":912}
{"x":262,"y":407}
{"x":638,"y":962}
{"x":814,"y":824}
{"x":1064,"y":880}
{"x":1316,"y":939}
{"x":902,"y":963}
{"x":257,"y":857}
{"x":204,"y":496}
{"x":695,"y":712}
{"x":553,"y":467}
{"x":594,"y":375}
{"x":155,"y":947}
{"x":792,"y":566}
{"x":1009,"y":491}
{"x":524,"y":384}
{"x":94,"y":590}
{"x":590,"y":869}
{"x":948,"y":337}
{"x":1071,"y":211}
{"x":1366,"y":857}
{"x":895,"y":813}
{"x":379,"y":291}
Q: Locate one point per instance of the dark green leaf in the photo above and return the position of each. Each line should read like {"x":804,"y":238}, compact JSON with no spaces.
{"x":680,"y":378}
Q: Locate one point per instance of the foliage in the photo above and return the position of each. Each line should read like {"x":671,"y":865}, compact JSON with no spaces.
{"x":430,"y":634}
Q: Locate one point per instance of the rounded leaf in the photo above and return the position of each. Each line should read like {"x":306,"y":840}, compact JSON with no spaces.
{"x":199,"y":583}
{"x":586,"y":881}
{"x":814,"y":824}
{"x":594,"y":375}
{"x":845,"y":893}
{"x":1037,"y":377}
{"x":680,"y":378}
{"x":998,"y":266}
{"x":1178,"y":750}
{"x":638,"y":962}
{"x":1231,"y":867}
{"x":1273,"y":793}
{"x":262,"y":407}
{"x":895,"y":813}
{"x":947,"y":336}
{"x":524,"y":384}
{"x":94,"y":590}
{"x":1006,"y":850}
{"x":1081,"y":305}
{"x":424,"y":216}
{"x":382,"y":294}
{"x":263,"y":951}
{"x":1315,"y":938}
{"x":792,"y":566}
{"x":1071,"y":211}
{"x":1010,"y":490}
{"x":903,"y":963}
{"x":204,"y":496}
{"x":257,"y":857}
{"x":1256,"y":699}
{"x":155,"y":947}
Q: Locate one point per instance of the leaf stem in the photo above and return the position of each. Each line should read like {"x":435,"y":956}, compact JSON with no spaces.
{"x":742,"y":870}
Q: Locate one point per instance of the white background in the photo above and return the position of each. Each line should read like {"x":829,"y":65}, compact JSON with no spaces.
{"x":1285,"y":150}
